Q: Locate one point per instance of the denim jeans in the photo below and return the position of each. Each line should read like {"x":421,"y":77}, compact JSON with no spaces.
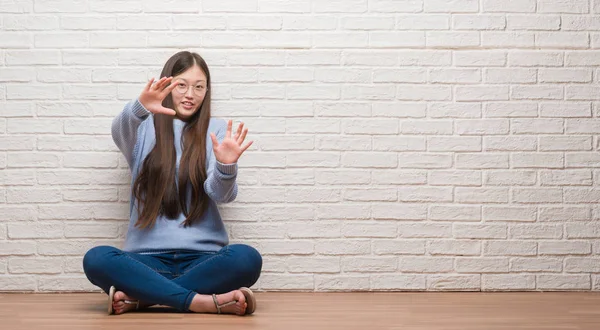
{"x":175,"y":277}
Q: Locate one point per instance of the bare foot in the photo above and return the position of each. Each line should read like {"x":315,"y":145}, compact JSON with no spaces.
{"x":205,"y":304}
{"x":121,"y":307}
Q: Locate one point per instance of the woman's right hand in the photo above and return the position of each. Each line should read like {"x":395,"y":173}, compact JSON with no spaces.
{"x":153,"y":95}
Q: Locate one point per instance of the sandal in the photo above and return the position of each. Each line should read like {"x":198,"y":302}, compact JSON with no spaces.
{"x":111,"y":295}
{"x":250,"y":301}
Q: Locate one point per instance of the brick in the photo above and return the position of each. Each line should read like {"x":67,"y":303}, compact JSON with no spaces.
{"x":424,"y":160}
{"x":566,"y":178}
{"x":510,"y":76}
{"x":566,"y":214}
{"x":510,"y":178}
{"x":450,"y":6}
{"x":402,"y":211}
{"x":325,"y":229}
{"x":478,"y":22}
{"x":408,"y":247}
{"x":509,"y":213}
{"x":561,"y":6}
{"x":313,"y":264}
{"x":76,"y":284}
{"x":287,"y":282}
{"x":582,"y":230}
{"x":536,"y":265}
{"x":426,"y":264}
{"x":481,"y":195}
{"x":454,"y":178}
{"x":509,"y":248}
{"x":35,"y":265}
{"x":454,"y":248}
{"x":371,"y":194}
{"x":425,"y":194}
{"x":432,"y":127}
{"x":18,"y":283}
{"x":533,"y":22}
{"x":312,"y":22}
{"x":373,"y":230}
{"x":423,"y":22}
{"x":528,"y":58}
{"x":385,"y":143}
{"x":455,"y":213}
{"x":452,"y":39}
{"x":343,"y":247}
{"x":398,"y":282}
{"x":481,"y":265}
{"x":567,"y":109}
{"x":563,"y":282}
{"x":496,"y":282}
{"x":343,"y":211}
{"x":431,"y":57}
{"x":341,"y":283}
{"x":480,"y":58}
{"x":537,"y":160}
{"x":454,"y":282}
{"x":369,"y":264}
{"x":454,"y":110}
{"x":566,"y":248}
{"x":17,"y":248}
{"x":535,"y":231}
{"x":521,"y":6}
{"x":338,"y":177}
{"x":425,"y":230}
{"x":507,"y":39}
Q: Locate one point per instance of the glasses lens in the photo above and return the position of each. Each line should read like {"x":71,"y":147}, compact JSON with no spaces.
{"x":181,"y":88}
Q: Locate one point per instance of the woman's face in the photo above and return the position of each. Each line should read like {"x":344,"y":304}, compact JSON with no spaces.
{"x":189,"y":92}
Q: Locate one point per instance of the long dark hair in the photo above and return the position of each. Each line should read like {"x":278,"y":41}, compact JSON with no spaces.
{"x":155,"y":185}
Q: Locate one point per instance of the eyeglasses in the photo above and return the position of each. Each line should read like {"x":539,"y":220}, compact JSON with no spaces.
{"x":182,"y":88}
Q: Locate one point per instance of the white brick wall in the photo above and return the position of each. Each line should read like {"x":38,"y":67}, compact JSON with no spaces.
{"x":400,"y":145}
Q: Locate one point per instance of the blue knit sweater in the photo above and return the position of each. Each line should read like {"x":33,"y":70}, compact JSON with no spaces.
{"x":133,"y":132}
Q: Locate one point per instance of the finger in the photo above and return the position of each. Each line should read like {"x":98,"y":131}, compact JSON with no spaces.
{"x":168,"y":90}
{"x":239,"y":131}
{"x":242,"y":137}
{"x":168,"y":111}
{"x":213,"y":137}
{"x":158,"y":83}
{"x":149,"y":84}
{"x":229,"y":124}
{"x":164,"y":83}
{"x":247,"y":146}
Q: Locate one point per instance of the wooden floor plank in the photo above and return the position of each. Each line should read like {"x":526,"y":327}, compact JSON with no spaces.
{"x":279,"y":310}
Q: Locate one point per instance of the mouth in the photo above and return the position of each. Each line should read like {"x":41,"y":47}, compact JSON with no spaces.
{"x":187,"y":105}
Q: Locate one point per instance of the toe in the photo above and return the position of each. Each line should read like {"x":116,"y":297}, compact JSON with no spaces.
{"x":119,"y":295}
{"x":240,"y":297}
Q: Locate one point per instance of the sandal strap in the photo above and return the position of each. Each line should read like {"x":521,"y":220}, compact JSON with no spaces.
{"x":222,"y":305}
{"x":133,"y":302}
{"x":216,"y":303}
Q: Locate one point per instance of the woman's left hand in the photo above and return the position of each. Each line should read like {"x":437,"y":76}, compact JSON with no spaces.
{"x":231,"y":148}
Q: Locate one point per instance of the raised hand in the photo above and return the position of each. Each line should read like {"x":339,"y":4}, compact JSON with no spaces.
{"x":231,"y":148}
{"x":153,"y":95}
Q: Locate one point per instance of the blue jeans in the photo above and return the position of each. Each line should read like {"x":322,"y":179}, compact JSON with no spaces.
{"x":173,"y":278}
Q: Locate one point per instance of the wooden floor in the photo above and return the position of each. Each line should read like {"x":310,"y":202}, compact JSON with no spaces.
{"x":282,"y":311}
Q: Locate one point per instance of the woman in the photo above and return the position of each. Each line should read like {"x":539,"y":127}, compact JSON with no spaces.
{"x":177,"y":251}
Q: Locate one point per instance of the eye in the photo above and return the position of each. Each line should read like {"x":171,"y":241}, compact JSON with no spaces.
{"x":181,"y":85}
{"x":200,"y":87}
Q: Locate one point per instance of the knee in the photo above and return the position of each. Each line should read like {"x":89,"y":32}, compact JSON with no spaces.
{"x":248,"y":260}
{"x":96,"y":258}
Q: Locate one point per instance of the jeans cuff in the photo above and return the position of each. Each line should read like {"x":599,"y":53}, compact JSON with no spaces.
{"x":188,"y":301}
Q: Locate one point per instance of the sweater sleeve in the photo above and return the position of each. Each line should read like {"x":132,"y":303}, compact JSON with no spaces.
{"x":220,"y":184}
{"x":124,"y":128}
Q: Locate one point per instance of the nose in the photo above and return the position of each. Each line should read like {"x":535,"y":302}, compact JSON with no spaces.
{"x":189,"y":92}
